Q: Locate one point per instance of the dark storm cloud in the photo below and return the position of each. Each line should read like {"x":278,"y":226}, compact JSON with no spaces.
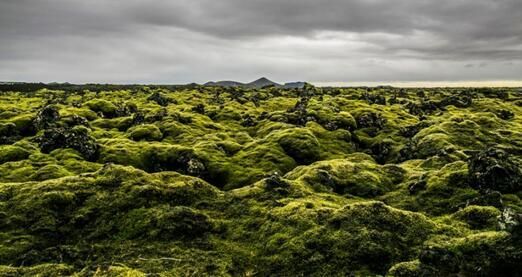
{"x":183,"y":41}
{"x":231,"y":18}
{"x":463,"y":25}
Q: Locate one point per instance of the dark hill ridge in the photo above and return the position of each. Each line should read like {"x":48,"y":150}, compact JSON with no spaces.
{"x":261,"y":83}
{"x":257,"y":84}
{"x":224,"y":84}
{"x":294,"y":85}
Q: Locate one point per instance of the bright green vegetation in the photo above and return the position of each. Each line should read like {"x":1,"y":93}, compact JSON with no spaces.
{"x":193,"y":180}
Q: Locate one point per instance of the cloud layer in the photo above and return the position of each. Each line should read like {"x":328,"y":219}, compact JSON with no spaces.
{"x":159,"y":41}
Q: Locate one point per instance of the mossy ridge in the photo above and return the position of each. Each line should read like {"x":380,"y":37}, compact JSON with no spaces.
{"x":481,"y":254}
{"x":315,"y":241}
{"x":357,"y":175}
{"x":71,"y":210}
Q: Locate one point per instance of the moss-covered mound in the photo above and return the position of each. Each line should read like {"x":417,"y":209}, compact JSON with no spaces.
{"x":212,"y":181}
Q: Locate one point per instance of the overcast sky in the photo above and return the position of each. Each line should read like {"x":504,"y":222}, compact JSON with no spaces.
{"x":182,"y":41}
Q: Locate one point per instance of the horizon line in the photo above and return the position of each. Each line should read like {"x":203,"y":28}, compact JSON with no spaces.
{"x":406,"y":84}
{"x":425,"y":84}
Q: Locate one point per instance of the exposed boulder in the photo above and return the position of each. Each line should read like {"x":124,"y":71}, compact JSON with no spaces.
{"x":371,"y":120}
{"x":182,"y":160}
{"x":486,"y":198}
{"x":159,"y":98}
{"x":511,"y":221}
{"x":373,"y":98}
{"x":298,"y":115}
{"x":505,"y":114}
{"x":46,"y":117}
{"x":76,"y":138}
{"x":381,"y":151}
{"x":394,"y":100}
{"x":420,"y":93}
{"x":421,"y":108}
{"x":425,"y":106}
{"x":248,"y":121}
{"x":256,"y":100}
{"x":199,"y":108}
{"x":138,"y":118}
{"x":75,"y":120}
{"x":495,"y":169}
{"x":411,"y":130}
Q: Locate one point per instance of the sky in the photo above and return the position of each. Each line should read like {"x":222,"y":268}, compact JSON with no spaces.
{"x":326,"y":42}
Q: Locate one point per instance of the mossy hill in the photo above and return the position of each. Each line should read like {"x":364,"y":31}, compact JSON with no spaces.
{"x":110,"y":180}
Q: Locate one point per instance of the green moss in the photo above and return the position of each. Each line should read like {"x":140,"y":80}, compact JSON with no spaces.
{"x":483,"y":254}
{"x":435,"y":191}
{"x":356,"y":175}
{"x":51,"y":171}
{"x":24,"y":124}
{"x":9,"y":153}
{"x":118,"y":271}
{"x":145,"y":132}
{"x":119,"y":124}
{"x":43,"y":270}
{"x":147,"y":206}
{"x":254,"y":162}
{"x":430,"y":145}
{"x":83,"y":112}
{"x":368,"y":229}
{"x":479,"y":217}
{"x":106,"y":108}
{"x":345,"y":120}
{"x":7,"y":129}
{"x":406,"y":269}
{"x":214,"y":181}
{"x":300,"y":144}
{"x":164,"y":222}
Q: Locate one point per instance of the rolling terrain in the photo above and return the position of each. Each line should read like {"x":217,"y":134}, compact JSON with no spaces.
{"x":259,"y":179}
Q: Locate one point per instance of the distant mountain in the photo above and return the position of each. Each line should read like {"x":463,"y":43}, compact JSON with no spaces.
{"x":224,"y":84}
{"x":259,"y":83}
{"x":294,"y":85}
